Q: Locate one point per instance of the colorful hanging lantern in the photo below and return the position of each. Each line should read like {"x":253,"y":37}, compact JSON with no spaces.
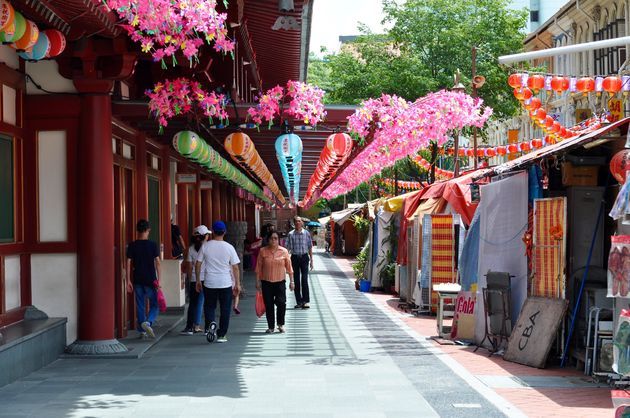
{"x":541,"y":115}
{"x":585,"y":85}
{"x":28,"y":39}
{"x":340,"y":144}
{"x":57,"y":42}
{"x":536,"y":82}
{"x":619,"y":165}
{"x":18,"y":30}
{"x":535,"y":103}
{"x":39,"y":50}
{"x":522,"y":94}
{"x":559,"y":84}
{"x":288,"y":145}
{"x":612,"y":85}
{"x":514,"y":80}
{"x":7,"y":14}
{"x":239,"y":144}
{"x":186,"y":142}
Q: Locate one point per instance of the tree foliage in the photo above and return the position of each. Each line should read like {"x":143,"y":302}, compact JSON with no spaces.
{"x":428,"y":41}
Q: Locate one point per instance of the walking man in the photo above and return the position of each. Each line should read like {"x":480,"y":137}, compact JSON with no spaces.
{"x":143,"y":259}
{"x":300,"y":246}
{"x":221,"y":280}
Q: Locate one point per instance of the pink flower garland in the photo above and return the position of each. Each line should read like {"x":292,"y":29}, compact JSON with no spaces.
{"x":163,"y":27}
{"x":402,"y":129}
{"x":177,"y":97}
{"x":306,"y":104}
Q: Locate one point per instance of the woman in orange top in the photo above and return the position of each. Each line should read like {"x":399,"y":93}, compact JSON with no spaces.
{"x":272,"y":266}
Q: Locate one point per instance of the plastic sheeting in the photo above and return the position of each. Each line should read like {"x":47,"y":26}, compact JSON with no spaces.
{"x":468,"y":265}
{"x":503,"y":221}
{"x":382,"y":244}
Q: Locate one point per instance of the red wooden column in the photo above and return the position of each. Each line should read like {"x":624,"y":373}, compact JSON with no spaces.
{"x":224,"y":202}
{"x":182,"y":208}
{"x":96,"y":219}
{"x":166,"y":201}
{"x":216,"y":203}
{"x":206,"y":208}
{"x":142,"y":195}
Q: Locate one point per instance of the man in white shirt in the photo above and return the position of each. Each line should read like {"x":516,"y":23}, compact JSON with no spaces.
{"x":221,"y":281}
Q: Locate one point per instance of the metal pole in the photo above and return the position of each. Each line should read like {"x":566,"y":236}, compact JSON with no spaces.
{"x":456,"y":154}
{"x":552,"y":52}
{"x":474,"y":94}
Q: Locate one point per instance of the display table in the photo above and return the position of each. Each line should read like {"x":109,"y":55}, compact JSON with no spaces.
{"x":447,"y":294}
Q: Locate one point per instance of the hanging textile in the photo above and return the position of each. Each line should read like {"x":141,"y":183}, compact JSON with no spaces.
{"x":502,"y":223}
{"x":439,"y":255}
{"x":470,"y":255}
{"x":619,"y":267}
{"x":549,"y":244}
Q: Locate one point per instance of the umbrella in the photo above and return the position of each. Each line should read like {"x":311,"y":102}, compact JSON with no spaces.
{"x":313,"y":224}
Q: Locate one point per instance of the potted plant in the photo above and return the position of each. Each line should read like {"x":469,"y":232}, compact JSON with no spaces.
{"x":388,"y":275}
{"x":358,"y":267}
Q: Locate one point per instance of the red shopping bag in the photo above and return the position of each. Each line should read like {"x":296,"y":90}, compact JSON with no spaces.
{"x":161,"y":300}
{"x":260,"y":305}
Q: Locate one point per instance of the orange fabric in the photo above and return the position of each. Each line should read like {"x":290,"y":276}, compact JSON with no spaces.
{"x":273,"y":266}
{"x":442,"y":252}
{"x":549,"y":225}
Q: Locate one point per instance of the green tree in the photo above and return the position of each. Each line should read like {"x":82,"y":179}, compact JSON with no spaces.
{"x":442,"y":33}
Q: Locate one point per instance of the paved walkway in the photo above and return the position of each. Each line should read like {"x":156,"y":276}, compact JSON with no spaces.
{"x":344,"y":357}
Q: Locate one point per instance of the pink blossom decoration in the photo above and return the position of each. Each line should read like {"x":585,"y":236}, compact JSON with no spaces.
{"x":180,"y":96}
{"x":403,"y":128}
{"x":305,"y":103}
{"x":163,"y":27}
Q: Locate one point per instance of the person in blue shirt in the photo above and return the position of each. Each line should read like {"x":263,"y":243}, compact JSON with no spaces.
{"x":143,"y":272}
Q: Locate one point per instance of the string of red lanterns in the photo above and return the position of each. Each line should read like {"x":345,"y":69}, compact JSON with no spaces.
{"x":421,"y":162}
{"x":402,"y":184}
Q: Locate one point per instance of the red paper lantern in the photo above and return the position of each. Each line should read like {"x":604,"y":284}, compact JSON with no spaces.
{"x":522,"y":94}
{"x":537,"y":143}
{"x":549,"y":121}
{"x":512,"y":149}
{"x":514,"y":80}
{"x":535,"y":103}
{"x":556,"y":127}
{"x":491,"y":152}
{"x":469,"y":152}
{"x":619,"y":164}
{"x":57,"y":42}
{"x":501,"y":150}
{"x":461,"y":152}
{"x":585,"y":85}
{"x":549,"y":139}
{"x":612,"y":85}
{"x":541,"y":114}
{"x":340,"y":144}
{"x":524,"y":146}
{"x":536,"y":82}
{"x":559,"y":84}
{"x":481,"y":152}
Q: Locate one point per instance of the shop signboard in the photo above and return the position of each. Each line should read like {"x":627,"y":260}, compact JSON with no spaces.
{"x":464,"y":317}
{"x":615,"y":107}
{"x":186,"y":178}
{"x":205,"y":185}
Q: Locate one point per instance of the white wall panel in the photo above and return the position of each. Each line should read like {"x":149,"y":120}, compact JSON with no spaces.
{"x":9,"y":105}
{"x":46,"y":74}
{"x":54,"y":288}
{"x":12,"y":296}
{"x":9,"y":57}
{"x":52,"y":182}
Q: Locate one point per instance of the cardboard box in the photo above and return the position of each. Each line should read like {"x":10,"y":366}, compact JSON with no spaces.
{"x":579,"y":175}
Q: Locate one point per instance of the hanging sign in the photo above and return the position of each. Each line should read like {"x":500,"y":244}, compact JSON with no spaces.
{"x":615,"y":107}
{"x":186,"y":178}
{"x":205,"y":184}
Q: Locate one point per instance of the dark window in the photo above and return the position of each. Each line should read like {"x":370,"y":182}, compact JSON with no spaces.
{"x":533,"y":15}
{"x":7,"y":198}
{"x":607,"y":60}
{"x":154,"y":209}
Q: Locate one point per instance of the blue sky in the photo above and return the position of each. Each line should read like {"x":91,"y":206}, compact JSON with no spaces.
{"x":333,"y":18}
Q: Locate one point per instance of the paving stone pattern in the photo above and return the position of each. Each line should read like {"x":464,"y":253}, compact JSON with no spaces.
{"x":344,"y":357}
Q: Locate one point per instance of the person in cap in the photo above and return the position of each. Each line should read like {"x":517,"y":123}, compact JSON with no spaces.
{"x":196,"y":299}
{"x":219,"y":262}
{"x":143,"y":272}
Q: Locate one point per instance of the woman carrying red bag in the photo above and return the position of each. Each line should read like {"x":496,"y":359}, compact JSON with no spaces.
{"x":272,"y":266}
